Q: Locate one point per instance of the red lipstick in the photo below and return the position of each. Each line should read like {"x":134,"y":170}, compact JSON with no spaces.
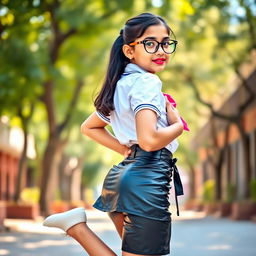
{"x":159,"y":61}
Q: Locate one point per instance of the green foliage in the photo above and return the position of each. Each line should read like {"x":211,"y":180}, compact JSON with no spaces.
{"x":90,"y":173}
{"x":208,"y":191}
{"x":253,"y":190}
{"x":20,"y":75}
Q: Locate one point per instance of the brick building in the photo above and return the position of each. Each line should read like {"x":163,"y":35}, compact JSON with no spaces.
{"x":11,"y":143}
{"x":229,"y":145}
{"x":10,"y":149}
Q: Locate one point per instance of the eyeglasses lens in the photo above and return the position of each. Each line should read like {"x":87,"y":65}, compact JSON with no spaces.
{"x":151,"y":46}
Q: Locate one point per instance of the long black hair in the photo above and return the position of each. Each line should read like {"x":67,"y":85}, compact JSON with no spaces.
{"x":134,"y":28}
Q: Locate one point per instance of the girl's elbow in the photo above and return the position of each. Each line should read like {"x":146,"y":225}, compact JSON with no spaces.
{"x":84,"y":129}
{"x":147,"y":145}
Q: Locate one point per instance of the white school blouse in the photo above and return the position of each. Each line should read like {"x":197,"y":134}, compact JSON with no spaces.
{"x":137,"y":89}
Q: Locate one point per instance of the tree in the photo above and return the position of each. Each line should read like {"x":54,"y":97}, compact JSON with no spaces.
{"x":20,"y":75}
{"x":61,"y":14}
{"x":60,"y":38}
{"x":229,"y":37}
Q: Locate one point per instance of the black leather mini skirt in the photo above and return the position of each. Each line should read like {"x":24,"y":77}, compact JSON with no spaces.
{"x":140,"y":185}
{"x":139,"y":188}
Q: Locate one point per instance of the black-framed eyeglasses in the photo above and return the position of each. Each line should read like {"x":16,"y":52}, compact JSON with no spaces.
{"x":152,"y":46}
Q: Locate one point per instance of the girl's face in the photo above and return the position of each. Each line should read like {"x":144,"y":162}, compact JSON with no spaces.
{"x":151,"y":62}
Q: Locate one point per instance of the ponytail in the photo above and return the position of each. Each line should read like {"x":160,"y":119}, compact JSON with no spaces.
{"x":117,"y":62}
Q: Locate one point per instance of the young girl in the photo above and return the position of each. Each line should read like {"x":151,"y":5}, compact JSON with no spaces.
{"x":135,"y":192}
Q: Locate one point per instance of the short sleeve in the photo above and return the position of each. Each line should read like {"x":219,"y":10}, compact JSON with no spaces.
{"x":104,"y":118}
{"x":146,"y":94}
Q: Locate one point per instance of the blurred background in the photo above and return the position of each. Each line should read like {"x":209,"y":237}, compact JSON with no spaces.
{"x":53,"y":58}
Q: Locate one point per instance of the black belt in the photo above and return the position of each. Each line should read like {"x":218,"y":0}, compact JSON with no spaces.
{"x":178,"y":188}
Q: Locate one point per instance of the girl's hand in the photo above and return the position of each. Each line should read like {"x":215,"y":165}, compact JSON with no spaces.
{"x":127,"y":151}
{"x":172,"y":113}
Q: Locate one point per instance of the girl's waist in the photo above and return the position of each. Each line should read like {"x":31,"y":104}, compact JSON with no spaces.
{"x":137,"y":151}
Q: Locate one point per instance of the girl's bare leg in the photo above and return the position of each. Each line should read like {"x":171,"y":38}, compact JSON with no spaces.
{"x":73,"y":222}
{"x":92,"y":243}
{"x":89,"y":241}
{"x":118,"y":220}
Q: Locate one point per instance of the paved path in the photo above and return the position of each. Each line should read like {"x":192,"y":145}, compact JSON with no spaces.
{"x":214,"y":237}
{"x":193,"y":235}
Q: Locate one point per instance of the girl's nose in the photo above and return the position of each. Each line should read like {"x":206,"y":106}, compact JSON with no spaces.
{"x":160,"y":50}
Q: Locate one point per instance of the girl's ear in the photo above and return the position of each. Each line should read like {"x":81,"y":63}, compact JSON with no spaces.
{"x":128,"y":51}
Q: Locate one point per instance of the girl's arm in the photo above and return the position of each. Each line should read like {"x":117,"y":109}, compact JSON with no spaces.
{"x":95,"y":128}
{"x":149,"y":137}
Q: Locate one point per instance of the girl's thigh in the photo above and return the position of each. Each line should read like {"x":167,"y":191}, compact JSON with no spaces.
{"x":118,"y":220}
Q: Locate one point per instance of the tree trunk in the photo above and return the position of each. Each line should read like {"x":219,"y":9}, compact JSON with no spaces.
{"x":22,"y":167}
{"x":70,"y":179}
{"x":192,"y":186}
{"x":216,"y":159}
{"x":218,"y":173}
{"x":246,"y":158}
{"x":65,"y":175}
{"x":50,"y":164}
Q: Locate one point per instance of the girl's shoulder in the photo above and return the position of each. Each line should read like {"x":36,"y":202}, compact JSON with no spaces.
{"x":149,"y":77}
{"x":147,"y":82}
{"x":134,"y":79}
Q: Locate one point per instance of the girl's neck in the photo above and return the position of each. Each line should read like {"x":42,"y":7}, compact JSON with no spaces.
{"x":133,"y":62}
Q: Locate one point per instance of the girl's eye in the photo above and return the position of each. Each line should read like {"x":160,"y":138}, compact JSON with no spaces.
{"x":150,"y":44}
{"x":166,"y":44}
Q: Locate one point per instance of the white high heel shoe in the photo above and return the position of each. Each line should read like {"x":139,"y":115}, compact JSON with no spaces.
{"x":66,"y":220}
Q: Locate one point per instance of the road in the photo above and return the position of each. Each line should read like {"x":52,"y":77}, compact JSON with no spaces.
{"x":193,"y":235}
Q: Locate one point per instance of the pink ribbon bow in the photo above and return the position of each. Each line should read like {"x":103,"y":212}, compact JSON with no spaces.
{"x":172,"y":101}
